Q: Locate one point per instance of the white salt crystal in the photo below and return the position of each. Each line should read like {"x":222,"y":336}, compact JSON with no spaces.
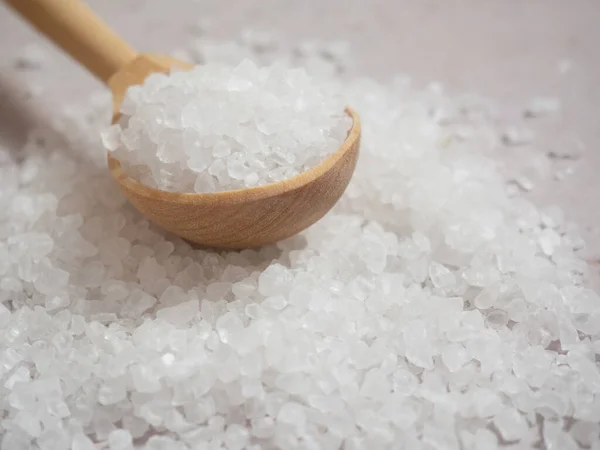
{"x":486,"y":298}
{"x":111,"y":393}
{"x":549,"y":241}
{"x":274,"y":280}
{"x":227,"y":325}
{"x":180,"y":314}
{"x":418,"y":347}
{"x":4,"y":315}
{"x":144,"y":380}
{"x":28,"y":423}
{"x":454,"y":356}
{"x":511,"y":424}
{"x":236,"y":437}
{"x":292,"y":413}
{"x":111,"y":138}
{"x":375,"y":385}
{"x":524,"y":183}
{"x":120,"y":440}
{"x":20,"y":375}
{"x":441,"y":276}
{"x":82,"y":442}
{"x":515,"y":136}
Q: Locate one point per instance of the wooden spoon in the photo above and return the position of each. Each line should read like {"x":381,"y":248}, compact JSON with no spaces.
{"x":232,"y":219}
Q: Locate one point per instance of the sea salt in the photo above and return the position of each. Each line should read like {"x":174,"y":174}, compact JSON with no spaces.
{"x":221,"y":127}
{"x":429,"y":309}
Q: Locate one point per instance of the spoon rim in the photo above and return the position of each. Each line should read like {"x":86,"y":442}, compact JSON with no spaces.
{"x":241,"y":195}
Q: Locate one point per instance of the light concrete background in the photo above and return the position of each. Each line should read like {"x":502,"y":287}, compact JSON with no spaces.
{"x":508,"y":50}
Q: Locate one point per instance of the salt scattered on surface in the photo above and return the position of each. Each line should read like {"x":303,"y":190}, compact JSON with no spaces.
{"x":218,"y":128}
{"x":542,"y":106}
{"x":515,"y":136}
{"x":31,"y":57}
{"x":428,"y":309}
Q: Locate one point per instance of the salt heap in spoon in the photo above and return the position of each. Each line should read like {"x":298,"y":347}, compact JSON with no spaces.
{"x":220,"y":127}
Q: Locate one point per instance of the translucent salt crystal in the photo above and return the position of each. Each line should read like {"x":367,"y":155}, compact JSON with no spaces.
{"x":276,"y":279}
{"x":163,"y":443}
{"x":137,"y":303}
{"x":552,"y":217}
{"x":486,"y":298}
{"x":441,"y":276}
{"x":251,"y":179}
{"x":51,"y":280}
{"x":473,"y":319}
{"x":221,"y":149}
{"x":555,"y":438}
{"x":198,"y":162}
{"x":524,"y":183}
{"x":251,"y":366}
{"x":517,"y":310}
{"x":111,"y":138}
{"x":179,"y":314}
{"x":514,"y":136}
{"x":292,"y":413}
{"x":120,"y":439}
{"x":9,"y":358}
{"x":204,"y":183}
{"x":418,"y":348}
{"x":549,"y":241}
{"x":375,"y":385}
{"x":485,"y":439}
{"x":4,"y":315}
{"x":82,"y":442}
{"x":510,"y":424}
{"x":253,"y":310}
{"x":144,"y":380}
{"x":111,"y":393}
{"x":227,"y":325}
{"x":28,"y":423}
{"x":198,"y":411}
{"x":236,"y":437}
{"x":263,"y":427}
{"x":584,"y":432}
{"x":276,"y":303}
{"x":454,"y":356}
{"x":20,"y":375}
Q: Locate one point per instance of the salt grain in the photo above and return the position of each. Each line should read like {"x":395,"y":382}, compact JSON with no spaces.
{"x":517,"y":136}
{"x":542,"y":106}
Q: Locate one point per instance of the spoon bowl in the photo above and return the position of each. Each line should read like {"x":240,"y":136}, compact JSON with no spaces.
{"x":243,"y":218}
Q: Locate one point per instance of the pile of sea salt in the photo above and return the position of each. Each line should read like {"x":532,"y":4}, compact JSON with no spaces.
{"x":428,"y":310}
{"x":220,"y":127}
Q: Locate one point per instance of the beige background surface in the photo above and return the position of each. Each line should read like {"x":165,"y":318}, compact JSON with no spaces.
{"x":508,"y":50}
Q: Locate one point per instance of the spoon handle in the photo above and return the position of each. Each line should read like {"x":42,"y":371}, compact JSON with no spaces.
{"x":77,"y":30}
